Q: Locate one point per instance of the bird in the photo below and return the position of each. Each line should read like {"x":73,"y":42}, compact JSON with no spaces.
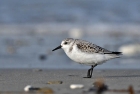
{"x":87,"y":53}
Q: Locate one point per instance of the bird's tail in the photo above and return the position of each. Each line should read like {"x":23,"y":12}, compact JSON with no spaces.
{"x":114,"y":55}
{"x":117,"y":53}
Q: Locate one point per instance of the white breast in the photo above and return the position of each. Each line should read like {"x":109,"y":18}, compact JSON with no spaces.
{"x":86,"y":58}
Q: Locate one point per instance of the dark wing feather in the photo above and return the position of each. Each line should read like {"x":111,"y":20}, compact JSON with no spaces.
{"x":117,"y":53}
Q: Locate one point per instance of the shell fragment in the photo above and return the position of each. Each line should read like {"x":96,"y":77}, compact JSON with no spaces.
{"x":76,"y":86}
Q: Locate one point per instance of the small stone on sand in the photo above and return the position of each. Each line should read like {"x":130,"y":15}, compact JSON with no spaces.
{"x":30,"y":88}
{"x":54,"y":82}
{"x":75,"y":86}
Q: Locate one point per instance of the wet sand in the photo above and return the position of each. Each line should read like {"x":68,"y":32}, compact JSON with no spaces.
{"x":14,"y":80}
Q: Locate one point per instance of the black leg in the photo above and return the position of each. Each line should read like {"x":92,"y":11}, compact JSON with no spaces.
{"x":89,"y":73}
{"x":92,"y":67}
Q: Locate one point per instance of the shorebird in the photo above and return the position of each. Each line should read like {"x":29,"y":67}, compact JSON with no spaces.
{"x":86,"y":53}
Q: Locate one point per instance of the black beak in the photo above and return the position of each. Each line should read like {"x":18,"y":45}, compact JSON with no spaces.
{"x":57,"y":48}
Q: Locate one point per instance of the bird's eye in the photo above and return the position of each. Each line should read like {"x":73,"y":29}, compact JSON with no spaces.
{"x":65,"y":42}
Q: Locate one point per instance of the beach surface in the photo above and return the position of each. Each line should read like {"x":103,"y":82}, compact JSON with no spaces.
{"x":13,"y":81}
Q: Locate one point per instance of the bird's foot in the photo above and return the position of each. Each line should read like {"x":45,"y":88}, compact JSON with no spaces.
{"x":87,"y":77}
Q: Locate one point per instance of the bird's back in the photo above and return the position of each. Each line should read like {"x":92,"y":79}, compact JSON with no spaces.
{"x":88,"y":47}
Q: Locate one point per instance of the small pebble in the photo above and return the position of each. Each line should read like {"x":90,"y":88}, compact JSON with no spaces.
{"x":30,"y":88}
{"x":75,"y":86}
{"x":100,"y":86}
{"x":27,"y":88}
{"x":44,"y":90}
{"x":54,"y":82}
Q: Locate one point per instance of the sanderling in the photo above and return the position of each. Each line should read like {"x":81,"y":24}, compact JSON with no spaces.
{"x":84,"y":52}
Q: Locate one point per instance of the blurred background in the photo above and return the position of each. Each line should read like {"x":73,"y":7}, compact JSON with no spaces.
{"x":30,"y":29}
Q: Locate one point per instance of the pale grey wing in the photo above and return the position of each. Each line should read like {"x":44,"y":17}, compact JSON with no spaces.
{"x":88,"y":47}
{"x":99,"y":49}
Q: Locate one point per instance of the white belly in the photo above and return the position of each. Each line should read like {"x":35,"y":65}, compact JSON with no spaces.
{"x":86,"y":58}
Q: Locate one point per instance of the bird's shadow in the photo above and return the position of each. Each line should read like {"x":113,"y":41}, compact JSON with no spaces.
{"x":115,"y":76}
{"x":107,"y":76}
{"x":73,"y":75}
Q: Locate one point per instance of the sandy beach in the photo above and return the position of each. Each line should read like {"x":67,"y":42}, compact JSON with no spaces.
{"x":14,"y":80}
